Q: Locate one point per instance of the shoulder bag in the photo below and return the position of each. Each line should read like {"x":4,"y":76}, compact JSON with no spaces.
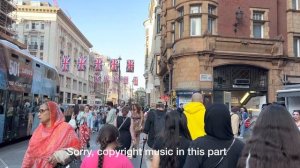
{"x":228,"y":149}
{"x":122,"y":124}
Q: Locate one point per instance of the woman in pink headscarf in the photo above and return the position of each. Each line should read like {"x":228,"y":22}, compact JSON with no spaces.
{"x":50,"y":136}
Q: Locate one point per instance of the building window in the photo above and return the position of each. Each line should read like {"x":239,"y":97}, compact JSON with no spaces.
{"x":180,"y":22}
{"x":295,"y":4}
{"x":181,"y":12}
{"x":74,"y":84}
{"x":195,"y":26}
{"x":258,"y":24}
{"x":258,"y":16}
{"x":195,"y":9}
{"x":41,"y":56}
{"x":180,"y":28}
{"x":27,"y":26}
{"x":42,"y":26}
{"x":211,"y":9}
{"x":84,"y":87}
{"x":80,"y":86}
{"x":61,"y":80}
{"x":158,"y":24}
{"x":68,"y":84}
{"x":297,"y":46}
{"x":33,"y":25}
{"x":33,"y":43}
{"x":33,"y":53}
{"x":42,"y":43}
{"x":211,"y":25}
{"x":25,"y":39}
{"x":173,"y":32}
{"x":173,"y":2}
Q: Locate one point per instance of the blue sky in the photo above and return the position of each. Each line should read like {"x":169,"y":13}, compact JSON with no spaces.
{"x":114,"y":27}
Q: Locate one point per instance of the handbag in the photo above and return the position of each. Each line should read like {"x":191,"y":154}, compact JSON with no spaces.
{"x":69,"y":161}
{"x":75,"y":163}
{"x":247,"y":123}
{"x":73,"y":124}
{"x":122,"y":124}
{"x":228,"y":149}
{"x":137,"y":125}
{"x":138,"y":129}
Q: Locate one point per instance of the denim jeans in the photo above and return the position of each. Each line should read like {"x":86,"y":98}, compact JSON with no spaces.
{"x":243,"y":129}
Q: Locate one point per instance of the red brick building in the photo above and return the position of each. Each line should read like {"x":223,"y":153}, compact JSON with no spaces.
{"x":233,"y":51}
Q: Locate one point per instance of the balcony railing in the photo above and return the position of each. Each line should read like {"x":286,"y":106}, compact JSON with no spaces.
{"x":33,"y":47}
{"x":42,"y":47}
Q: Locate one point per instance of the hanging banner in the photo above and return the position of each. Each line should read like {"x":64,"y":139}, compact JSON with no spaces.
{"x":65,"y":63}
{"x":98,"y":64}
{"x":125,"y":80}
{"x":106,"y":79}
{"x":97,"y":78}
{"x":114,"y":63}
{"x":130,"y":66}
{"x":81,"y":63}
{"x":116,"y":78}
{"x":135,"y":81}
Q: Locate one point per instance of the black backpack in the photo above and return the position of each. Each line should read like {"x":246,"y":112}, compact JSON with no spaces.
{"x":159,"y":123}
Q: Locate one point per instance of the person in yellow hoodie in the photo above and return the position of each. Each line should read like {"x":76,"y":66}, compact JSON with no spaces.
{"x":194,"y":112}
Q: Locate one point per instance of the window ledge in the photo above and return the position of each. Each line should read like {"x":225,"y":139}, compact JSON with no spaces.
{"x":294,"y":10}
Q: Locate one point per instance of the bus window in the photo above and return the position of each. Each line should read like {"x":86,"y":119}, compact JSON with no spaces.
{"x":36,"y":103}
{"x":15,"y":56}
{"x":2,"y":102}
{"x":50,"y":74}
{"x":27,"y":102}
{"x":10,"y":125}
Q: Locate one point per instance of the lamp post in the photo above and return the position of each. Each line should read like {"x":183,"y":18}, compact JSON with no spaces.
{"x":130,"y":94}
{"x":238,"y":16}
{"x":119,"y":68}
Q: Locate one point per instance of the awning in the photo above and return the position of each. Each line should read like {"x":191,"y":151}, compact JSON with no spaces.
{"x":288,"y":93}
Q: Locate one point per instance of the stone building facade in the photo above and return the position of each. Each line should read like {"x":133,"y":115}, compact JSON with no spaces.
{"x":153,"y":42}
{"x":7,"y":19}
{"x":231,"y":51}
{"x":49,"y":34}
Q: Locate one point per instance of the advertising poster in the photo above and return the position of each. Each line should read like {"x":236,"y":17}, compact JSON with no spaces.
{"x":19,"y":74}
{"x":37,"y":86}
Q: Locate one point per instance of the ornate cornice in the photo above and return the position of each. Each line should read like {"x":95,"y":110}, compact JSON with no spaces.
{"x":60,"y":13}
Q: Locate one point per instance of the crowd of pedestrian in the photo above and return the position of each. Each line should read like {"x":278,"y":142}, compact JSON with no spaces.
{"x":193,"y":134}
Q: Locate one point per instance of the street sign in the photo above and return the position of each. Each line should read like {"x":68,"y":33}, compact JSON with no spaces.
{"x":205,"y":77}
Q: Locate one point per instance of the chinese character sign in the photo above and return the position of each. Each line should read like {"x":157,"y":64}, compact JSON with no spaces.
{"x":98,"y":64}
{"x":125,"y":80}
{"x":130,"y":66}
{"x":65,"y":63}
{"x":81,"y":63}
{"x":135,"y":81}
{"x":114,"y":63}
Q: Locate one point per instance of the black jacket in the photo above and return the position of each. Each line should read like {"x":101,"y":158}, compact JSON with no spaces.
{"x":149,"y":126}
{"x":218,"y":139}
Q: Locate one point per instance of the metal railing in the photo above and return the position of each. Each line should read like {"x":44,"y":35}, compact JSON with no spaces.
{"x":33,"y":47}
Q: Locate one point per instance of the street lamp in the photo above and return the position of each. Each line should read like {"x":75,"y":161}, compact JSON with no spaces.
{"x":119,"y":68}
{"x":238,"y":16}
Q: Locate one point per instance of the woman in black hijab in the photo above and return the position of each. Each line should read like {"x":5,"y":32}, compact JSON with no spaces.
{"x":218,"y":148}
